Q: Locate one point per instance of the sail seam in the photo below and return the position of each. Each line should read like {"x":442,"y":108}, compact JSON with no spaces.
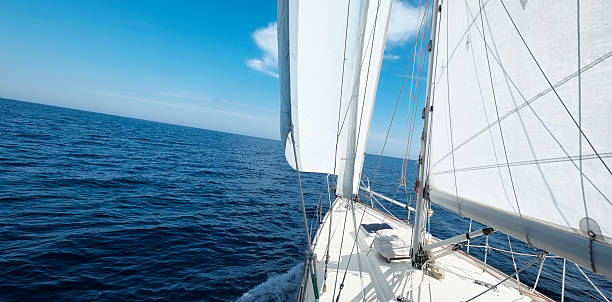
{"x":527,"y":102}
{"x":527,"y":162}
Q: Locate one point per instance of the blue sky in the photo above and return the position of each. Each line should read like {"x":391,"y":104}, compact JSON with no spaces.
{"x":203,"y":64}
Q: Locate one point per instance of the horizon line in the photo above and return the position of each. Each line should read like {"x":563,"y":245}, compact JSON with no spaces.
{"x":161,"y":122}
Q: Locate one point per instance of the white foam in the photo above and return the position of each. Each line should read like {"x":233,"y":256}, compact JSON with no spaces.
{"x":281,"y":287}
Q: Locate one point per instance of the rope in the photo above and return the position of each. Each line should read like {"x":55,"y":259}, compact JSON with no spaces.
{"x":350,"y":256}
{"x":400,"y":95}
{"x":412,"y":99}
{"x":420,"y":33}
{"x":563,"y":283}
{"x":340,"y":253}
{"x":573,"y":285}
{"x":482,"y":101}
{"x":331,"y":215}
{"x":534,"y":260}
{"x":339,"y":130}
{"x":308,"y":238}
{"x":501,"y":132}
{"x":450,"y":120}
{"x":358,"y":252}
{"x":513,"y":261}
{"x":539,"y":273}
{"x":592,"y":284}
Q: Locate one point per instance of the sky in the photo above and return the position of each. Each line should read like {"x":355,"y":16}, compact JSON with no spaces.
{"x":205,"y":64}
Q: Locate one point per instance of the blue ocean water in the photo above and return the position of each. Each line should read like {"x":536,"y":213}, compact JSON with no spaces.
{"x":100,"y":207}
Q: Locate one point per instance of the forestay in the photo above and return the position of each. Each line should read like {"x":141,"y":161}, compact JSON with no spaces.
{"x":330,"y":53}
{"x":509,"y":150}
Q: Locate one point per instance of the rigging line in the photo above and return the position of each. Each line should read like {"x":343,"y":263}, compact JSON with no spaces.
{"x":336,"y":151}
{"x":586,"y":210}
{"x":413,"y":102}
{"x":570,"y":285}
{"x":412,"y":118}
{"x":358,"y":252}
{"x":365,"y":89}
{"x":356,"y":148}
{"x":527,"y":102}
{"x":506,"y":251}
{"x":534,"y":260}
{"x":301,"y":192}
{"x":553,"y":89}
{"x":450,"y":121}
{"x":413,"y":97}
{"x":355,"y":87}
{"x":348,"y":7}
{"x":513,"y":261}
{"x":308,"y":238}
{"x":398,"y":99}
{"x":350,"y":254}
{"x":340,"y":250}
{"x":485,"y":112}
{"x":331,"y":215}
{"x":539,"y":273}
{"x":563,"y":283}
{"x":592,"y":284}
{"x":500,"y":127}
{"x":495,"y":52}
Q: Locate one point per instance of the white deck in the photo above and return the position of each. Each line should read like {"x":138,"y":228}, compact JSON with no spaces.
{"x":382,"y":281}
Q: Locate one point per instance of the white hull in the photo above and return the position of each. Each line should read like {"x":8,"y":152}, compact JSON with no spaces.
{"x":386,"y":281}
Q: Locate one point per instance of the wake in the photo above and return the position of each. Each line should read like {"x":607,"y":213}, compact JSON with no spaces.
{"x":281,"y":287}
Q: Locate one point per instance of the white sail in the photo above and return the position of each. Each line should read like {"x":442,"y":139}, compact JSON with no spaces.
{"x":330,"y":53}
{"x":509,"y":150}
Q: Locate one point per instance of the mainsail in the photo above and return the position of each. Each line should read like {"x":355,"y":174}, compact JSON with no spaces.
{"x":519,"y":130}
{"x":330,"y":54}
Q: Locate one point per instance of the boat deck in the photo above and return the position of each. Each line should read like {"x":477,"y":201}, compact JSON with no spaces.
{"x":463,"y":276}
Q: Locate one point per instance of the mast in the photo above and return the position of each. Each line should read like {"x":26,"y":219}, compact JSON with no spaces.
{"x":419,"y":207}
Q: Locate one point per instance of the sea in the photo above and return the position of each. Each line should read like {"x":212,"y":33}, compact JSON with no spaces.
{"x":96,"y":207}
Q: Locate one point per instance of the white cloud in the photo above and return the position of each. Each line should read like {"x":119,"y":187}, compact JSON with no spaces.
{"x":391,"y":57}
{"x":265,"y":38}
{"x":403,"y":23}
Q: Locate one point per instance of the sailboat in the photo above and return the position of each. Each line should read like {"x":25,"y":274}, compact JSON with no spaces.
{"x":515,"y":136}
